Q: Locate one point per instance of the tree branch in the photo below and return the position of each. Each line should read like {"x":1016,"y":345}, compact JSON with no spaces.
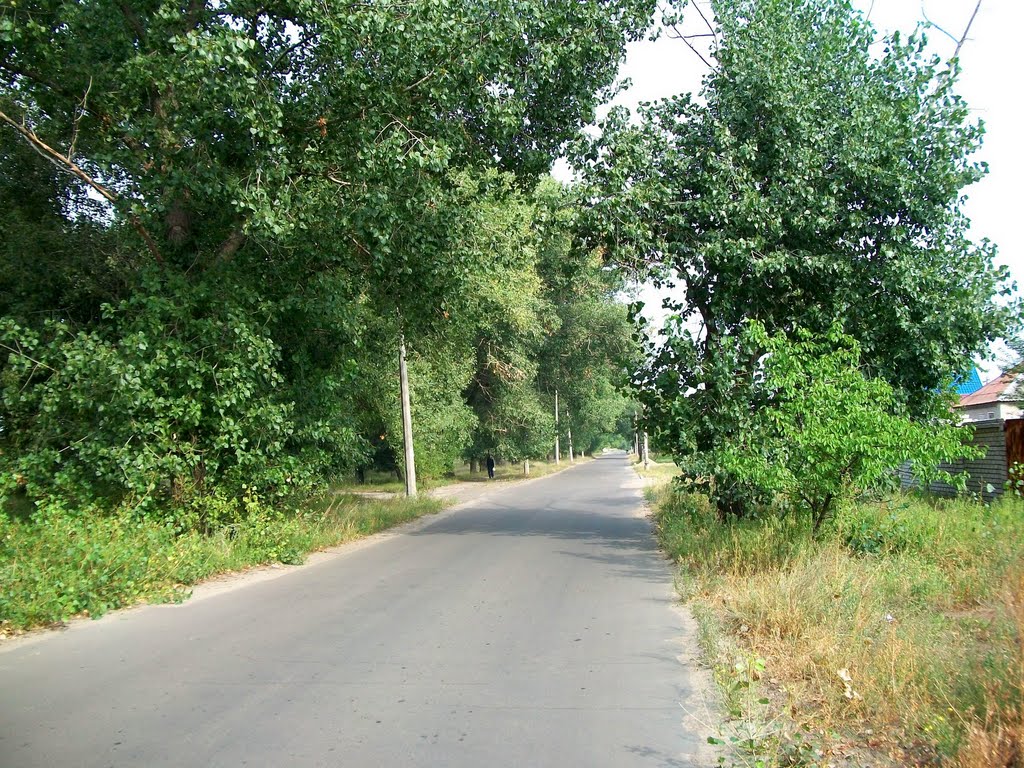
{"x":420,"y":81}
{"x":32,"y":360}
{"x":133,"y":21}
{"x":710,"y":27}
{"x":57,"y":158}
{"x":963,"y":37}
{"x":230,"y":246}
{"x":80,"y":112}
{"x":67,"y":164}
{"x":680,"y":36}
{"x":931,"y":23}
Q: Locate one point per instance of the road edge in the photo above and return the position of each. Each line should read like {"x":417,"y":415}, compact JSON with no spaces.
{"x":702,"y":710}
{"x":231,"y":581}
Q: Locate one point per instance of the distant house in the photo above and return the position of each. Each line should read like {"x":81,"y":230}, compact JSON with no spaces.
{"x":995,"y":412}
{"x":999,"y":400}
{"x":968,"y":383}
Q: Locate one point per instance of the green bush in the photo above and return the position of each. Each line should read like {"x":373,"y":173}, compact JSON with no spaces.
{"x":691,"y":531}
{"x":869,"y":530}
{"x":62,"y":563}
{"x":824,"y":429}
{"x":56,"y":563}
{"x":177,"y":393}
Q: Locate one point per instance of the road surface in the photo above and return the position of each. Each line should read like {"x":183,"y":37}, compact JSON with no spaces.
{"x":534,"y":626}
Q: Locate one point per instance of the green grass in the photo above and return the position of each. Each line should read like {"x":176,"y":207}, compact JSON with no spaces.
{"x":514,"y":471}
{"x":657,"y":472}
{"x":58,"y":564}
{"x":903,"y":620}
{"x":383,"y":482}
{"x":387,"y":482}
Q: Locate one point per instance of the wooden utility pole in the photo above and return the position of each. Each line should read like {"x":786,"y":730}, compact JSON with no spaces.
{"x":410,"y":457}
{"x":557,"y":457}
{"x":568,"y":434}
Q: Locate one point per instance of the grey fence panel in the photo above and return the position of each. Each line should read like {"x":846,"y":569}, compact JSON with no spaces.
{"x":986,"y":476}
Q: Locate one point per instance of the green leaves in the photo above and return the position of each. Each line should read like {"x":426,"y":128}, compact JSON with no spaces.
{"x":824,"y":431}
{"x":289,"y":178}
{"x":812,"y":184}
{"x":170,"y":391}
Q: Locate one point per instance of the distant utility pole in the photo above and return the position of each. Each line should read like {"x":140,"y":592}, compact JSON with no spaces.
{"x":410,"y":457}
{"x":557,"y":456}
{"x":568,"y":434}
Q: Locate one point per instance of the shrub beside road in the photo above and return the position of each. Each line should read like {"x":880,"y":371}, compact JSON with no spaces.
{"x":893,"y":637}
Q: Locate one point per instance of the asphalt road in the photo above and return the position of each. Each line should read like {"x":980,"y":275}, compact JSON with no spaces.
{"x":535,"y":626}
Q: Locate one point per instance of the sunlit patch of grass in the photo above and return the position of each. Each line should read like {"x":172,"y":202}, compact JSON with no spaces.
{"x":57,"y":563}
{"x":897,"y":631}
{"x":656,"y":472}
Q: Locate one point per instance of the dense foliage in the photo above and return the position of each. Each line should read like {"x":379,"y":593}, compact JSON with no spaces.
{"x":811,"y":183}
{"x":219,"y":217}
{"x":823,"y":431}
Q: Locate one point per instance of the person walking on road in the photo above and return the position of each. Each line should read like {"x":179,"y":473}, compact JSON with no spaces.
{"x":490,"y":466}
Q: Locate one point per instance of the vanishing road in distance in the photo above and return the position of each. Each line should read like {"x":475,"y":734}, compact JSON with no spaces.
{"x":534,"y":626}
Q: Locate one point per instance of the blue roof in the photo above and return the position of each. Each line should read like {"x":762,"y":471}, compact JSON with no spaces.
{"x":968,"y":382}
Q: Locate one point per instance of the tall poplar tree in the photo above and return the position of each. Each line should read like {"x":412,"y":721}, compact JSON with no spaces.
{"x":810,"y":182}
{"x":266,"y":170}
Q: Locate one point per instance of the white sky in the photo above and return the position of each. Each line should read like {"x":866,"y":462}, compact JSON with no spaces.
{"x":990,"y":82}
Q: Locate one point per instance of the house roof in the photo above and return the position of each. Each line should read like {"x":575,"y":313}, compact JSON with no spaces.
{"x":1006,"y":389}
{"x":968,"y":383}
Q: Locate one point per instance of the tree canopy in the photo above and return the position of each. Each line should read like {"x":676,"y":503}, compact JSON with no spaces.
{"x":811,"y":182}
{"x":218,"y":217}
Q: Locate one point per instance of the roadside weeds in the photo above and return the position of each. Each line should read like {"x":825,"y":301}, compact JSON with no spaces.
{"x":57,"y":566}
{"x":894,"y":639}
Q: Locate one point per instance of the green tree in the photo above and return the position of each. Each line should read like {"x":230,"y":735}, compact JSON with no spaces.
{"x":505,"y":322}
{"x":590,"y":344}
{"x":811,"y":183}
{"x":546,"y":318}
{"x":824,"y":430}
{"x":296,"y":162}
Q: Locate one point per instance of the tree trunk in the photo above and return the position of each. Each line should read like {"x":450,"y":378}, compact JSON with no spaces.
{"x":820,"y":512}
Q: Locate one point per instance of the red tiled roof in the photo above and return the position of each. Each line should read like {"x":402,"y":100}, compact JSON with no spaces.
{"x":1000,"y":390}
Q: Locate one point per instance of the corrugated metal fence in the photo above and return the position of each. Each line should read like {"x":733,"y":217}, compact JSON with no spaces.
{"x":987,"y":476}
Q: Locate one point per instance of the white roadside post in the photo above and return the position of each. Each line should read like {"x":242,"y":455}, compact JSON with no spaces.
{"x":568,"y":434}
{"x":557,"y":457}
{"x":410,"y":457}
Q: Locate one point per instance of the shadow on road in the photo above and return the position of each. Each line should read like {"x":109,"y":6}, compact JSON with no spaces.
{"x":624,"y":543}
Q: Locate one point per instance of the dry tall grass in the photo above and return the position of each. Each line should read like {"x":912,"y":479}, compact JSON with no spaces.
{"x":897,"y":632}
{"x":998,"y":742}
